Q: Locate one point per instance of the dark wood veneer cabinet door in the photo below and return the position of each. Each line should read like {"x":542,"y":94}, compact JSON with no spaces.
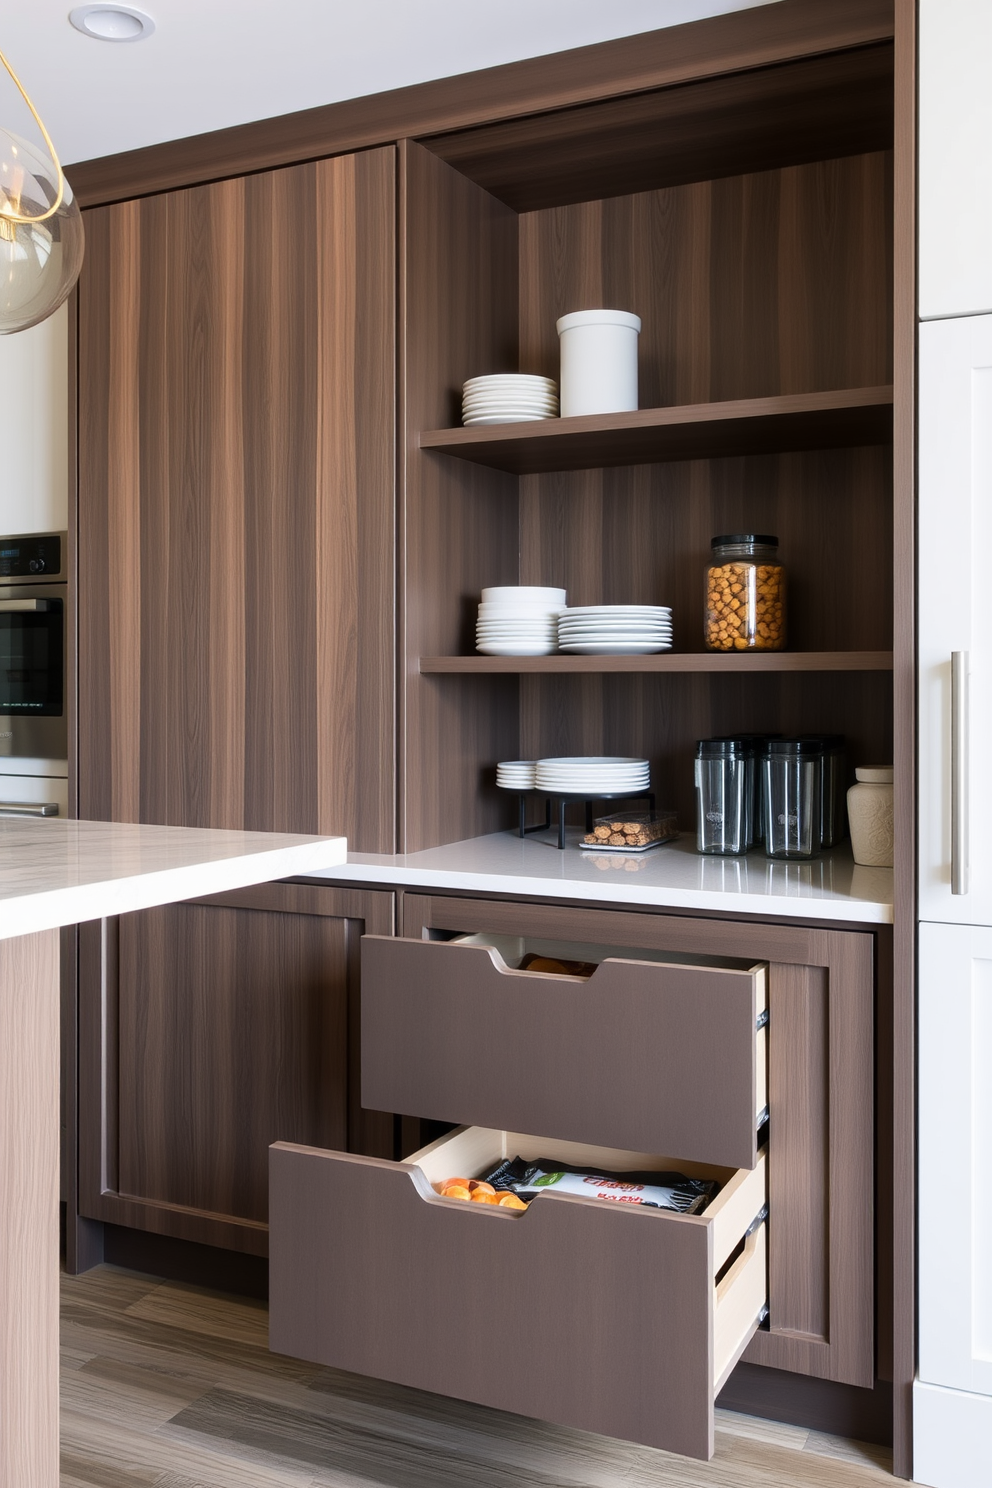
{"x":236,"y":512}
{"x":208,"y":1031}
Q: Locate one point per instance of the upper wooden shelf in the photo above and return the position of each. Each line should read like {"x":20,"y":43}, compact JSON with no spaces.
{"x":669,"y":661}
{"x":698,"y":431}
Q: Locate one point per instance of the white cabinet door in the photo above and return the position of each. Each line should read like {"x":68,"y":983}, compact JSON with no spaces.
{"x":955,"y":143}
{"x":955,"y":612}
{"x":955,"y":1158}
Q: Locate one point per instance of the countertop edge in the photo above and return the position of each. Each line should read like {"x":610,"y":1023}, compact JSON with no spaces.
{"x":33,"y":912}
{"x":623,"y":891}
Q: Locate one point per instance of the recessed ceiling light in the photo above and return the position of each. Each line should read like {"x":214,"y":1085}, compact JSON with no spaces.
{"x":112,"y":22}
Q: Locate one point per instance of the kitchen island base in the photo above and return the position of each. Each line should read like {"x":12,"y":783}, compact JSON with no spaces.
{"x":29,"y":1207}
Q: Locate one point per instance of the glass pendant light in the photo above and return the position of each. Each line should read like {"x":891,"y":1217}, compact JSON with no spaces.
{"x":41,"y":228}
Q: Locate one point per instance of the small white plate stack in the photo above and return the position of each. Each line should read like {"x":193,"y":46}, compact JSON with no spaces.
{"x":509,"y":398}
{"x":593,"y":775}
{"x":615,"y":630}
{"x":516,"y":775}
{"x":518,"y":620}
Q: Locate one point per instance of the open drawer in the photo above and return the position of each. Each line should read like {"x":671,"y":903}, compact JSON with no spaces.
{"x":604,"y":1316}
{"x":650,"y":1054}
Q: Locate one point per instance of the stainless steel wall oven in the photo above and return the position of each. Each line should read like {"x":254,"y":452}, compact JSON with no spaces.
{"x":33,"y":664}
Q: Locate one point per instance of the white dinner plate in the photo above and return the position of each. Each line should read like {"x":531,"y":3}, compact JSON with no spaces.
{"x":613,"y":648}
{"x":510,"y":379}
{"x":556,"y":761}
{"x":618,"y":612}
{"x":510,"y":418}
{"x":515,"y":648}
{"x":627,"y":628}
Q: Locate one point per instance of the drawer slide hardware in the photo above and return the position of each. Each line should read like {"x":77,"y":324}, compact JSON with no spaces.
{"x":758,"y":1219}
{"x":762,"y":1019}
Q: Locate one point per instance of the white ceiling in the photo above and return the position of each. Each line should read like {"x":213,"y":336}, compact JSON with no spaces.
{"x":213,"y":63}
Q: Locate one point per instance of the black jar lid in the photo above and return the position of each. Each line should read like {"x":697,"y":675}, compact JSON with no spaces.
{"x":738,"y":539}
{"x":745,"y":743}
{"x":754,"y":741}
{"x":794,"y":748}
{"x":829,"y":743}
{"x":723,"y":749}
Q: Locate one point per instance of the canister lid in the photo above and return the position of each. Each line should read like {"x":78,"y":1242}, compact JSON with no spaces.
{"x":598,"y":317}
{"x":746,"y":743}
{"x":829,"y":743}
{"x":793,"y":748}
{"x":874,"y":774}
{"x":735,"y":539}
{"x":723,"y":749}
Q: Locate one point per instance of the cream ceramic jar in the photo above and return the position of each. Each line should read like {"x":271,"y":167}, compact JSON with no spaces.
{"x":869,"y":812}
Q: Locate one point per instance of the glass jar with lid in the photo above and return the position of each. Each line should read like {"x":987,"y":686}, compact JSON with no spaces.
{"x":745,"y":594}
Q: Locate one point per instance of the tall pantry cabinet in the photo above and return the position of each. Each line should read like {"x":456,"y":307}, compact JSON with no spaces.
{"x":953,"y":1393}
{"x":236,"y":410}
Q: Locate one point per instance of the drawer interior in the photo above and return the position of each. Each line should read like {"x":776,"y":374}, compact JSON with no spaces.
{"x":512,"y":949}
{"x":474,"y":1150}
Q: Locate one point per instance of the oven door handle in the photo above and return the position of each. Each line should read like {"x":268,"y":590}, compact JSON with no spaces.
{"x":29,"y":808}
{"x":7,"y":606}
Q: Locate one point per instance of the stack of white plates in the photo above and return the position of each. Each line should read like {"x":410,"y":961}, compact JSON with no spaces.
{"x":516,"y":620}
{"x":509,"y":398}
{"x":516,"y":775}
{"x":593,"y":775}
{"x":615,"y":630}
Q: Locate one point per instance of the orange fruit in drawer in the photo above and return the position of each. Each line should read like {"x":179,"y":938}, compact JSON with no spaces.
{"x":476,"y":1185}
{"x":455,"y":1191}
{"x":480,"y":1196}
{"x":510,"y":1201}
{"x":454,"y":1183}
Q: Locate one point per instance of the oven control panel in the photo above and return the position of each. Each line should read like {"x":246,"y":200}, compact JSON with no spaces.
{"x":36,"y":556}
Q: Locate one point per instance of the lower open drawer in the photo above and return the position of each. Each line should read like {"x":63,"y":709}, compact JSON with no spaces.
{"x":604,"y":1316}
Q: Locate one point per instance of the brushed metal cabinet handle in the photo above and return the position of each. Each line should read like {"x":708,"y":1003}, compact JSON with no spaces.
{"x":24,"y":606}
{"x":24,"y":808}
{"x":960,"y":866}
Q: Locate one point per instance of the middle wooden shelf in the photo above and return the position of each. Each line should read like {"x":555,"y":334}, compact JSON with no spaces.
{"x":668,"y":661}
{"x":741,"y":426}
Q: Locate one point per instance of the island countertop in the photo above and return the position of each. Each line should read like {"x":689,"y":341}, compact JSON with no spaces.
{"x":58,"y":872}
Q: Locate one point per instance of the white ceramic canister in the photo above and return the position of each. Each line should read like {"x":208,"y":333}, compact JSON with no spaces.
{"x":598,"y":361}
{"x":869,"y":812}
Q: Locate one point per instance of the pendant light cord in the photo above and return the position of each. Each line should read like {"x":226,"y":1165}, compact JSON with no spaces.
{"x":5,"y":210}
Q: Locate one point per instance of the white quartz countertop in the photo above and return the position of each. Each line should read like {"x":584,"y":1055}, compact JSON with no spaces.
{"x":830,"y":887}
{"x":58,"y":872}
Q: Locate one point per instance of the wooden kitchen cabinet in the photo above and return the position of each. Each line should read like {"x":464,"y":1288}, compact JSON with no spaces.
{"x":236,"y":478}
{"x":207,"y":1031}
{"x":236,"y":397}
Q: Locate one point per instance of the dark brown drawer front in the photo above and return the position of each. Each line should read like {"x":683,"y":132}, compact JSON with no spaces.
{"x":642,"y":1055}
{"x":586,"y":1313}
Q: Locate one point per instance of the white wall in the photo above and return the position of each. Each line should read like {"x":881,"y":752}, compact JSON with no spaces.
{"x":34,"y":420}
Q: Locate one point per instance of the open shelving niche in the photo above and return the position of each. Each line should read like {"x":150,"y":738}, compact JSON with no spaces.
{"x":763,"y":279}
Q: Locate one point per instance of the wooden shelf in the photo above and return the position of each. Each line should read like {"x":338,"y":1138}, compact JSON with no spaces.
{"x":699,"y":431}
{"x":665,"y":661}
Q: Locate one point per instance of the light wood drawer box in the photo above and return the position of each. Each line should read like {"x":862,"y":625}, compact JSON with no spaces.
{"x":599,"y":1315}
{"x":646,"y":1055}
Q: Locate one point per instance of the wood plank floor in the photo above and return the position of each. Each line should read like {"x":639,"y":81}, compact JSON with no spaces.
{"x":165,"y":1386}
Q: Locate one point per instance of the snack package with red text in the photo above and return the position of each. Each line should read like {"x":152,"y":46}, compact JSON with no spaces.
{"x":653,"y":1190}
